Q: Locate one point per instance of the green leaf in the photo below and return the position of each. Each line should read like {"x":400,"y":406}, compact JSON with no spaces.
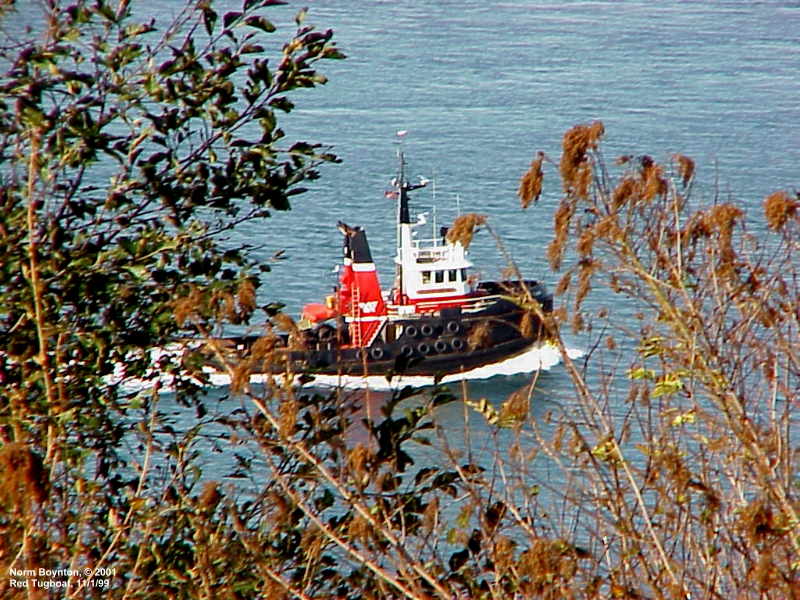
{"x":641,"y":373}
{"x":209,"y":18}
{"x":282,"y":103}
{"x":606,"y":451}
{"x":333,"y":53}
{"x":105,"y":10}
{"x":260,"y":23}
{"x":484,"y":408}
{"x":688,"y":417}
{"x":669,"y":384}
{"x":33,"y":117}
{"x":230,"y":17}
{"x":252,"y":49}
{"x":652,"y":346}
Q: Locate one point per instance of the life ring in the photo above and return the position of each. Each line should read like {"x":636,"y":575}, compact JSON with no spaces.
{"x":457,"y":344}
{"x":376,"y":352}
{"x":426,"y":330}
{"x":440,"y":346}
{"x":411,"y":331}
{"x":424,"y":349}
{"x":406,"y":350}
{"x":453,"y":327}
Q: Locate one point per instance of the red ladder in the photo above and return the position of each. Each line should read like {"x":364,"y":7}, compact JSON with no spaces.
{"x":355,"y":309}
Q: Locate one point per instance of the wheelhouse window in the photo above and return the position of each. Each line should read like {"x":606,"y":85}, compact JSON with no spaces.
{"x":463,"y":274}
{"x":439,"y":276}
{"x":426,"y":277}
{"x":452,"y":275}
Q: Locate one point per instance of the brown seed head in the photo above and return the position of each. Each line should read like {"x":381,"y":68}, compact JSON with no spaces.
{"x":586,"y":241}
{"x":246,"y":296}
{"x":210,"y":497}
{"x":359,"y":529}
{"x":627,"y":189}
{"x":587,"y":268}
{"x":262,"y":348}
{"x":530,"y":186}
{"x":464,"y":228}
{"x":575,"y":166}
{"x":516,"y":407}
{"x":187,"y":306}
{"x":478,"y":336}
{"x":654,"y":183}
{"x":563,"y":216}
{"x":430,"y":516}
{"x":240,"y":375}
{"x":285,"y":323}
{"x":779,"y":207}
{"x":685,"y":166}
{"x":287,"y":416}
{"x":722,"y":219}
{"x":224,"y":304}
{"x":23,"y":479}
{"x":563,"y":283}
{"x":526,"y":326}
{"x":357,"y":460}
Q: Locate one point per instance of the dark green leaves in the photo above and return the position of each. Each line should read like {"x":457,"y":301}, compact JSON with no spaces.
{"x":130,"y":149}
{"x":230,"y":18}
{"x":210,"y":17}
{"x":261,"y":23}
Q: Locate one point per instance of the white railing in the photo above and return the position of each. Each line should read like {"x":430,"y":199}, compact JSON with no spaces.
{"x":429,"y":250}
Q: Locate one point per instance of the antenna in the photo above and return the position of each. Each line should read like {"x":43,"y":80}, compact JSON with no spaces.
{"x":435,"y":232}
{"x":399,"y":138}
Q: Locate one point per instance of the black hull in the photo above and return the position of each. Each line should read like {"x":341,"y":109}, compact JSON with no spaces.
{"x":445,"y":343}
{"x":361,"y":364}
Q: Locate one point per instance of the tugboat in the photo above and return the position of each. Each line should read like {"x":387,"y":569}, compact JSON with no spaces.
{"x":437,"y":320}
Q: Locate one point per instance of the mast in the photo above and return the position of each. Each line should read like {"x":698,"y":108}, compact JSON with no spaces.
{"x":403,"y":215}
{"x":402,"y":187}
{"x":399,"y":183}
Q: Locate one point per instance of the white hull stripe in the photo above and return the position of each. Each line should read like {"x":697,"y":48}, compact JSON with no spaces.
{"x":364,"y":319}
{"x":363,"y":267}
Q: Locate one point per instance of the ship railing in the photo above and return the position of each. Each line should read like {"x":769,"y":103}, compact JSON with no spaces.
{"x":468,"y":305}
{"x":479,"y":303}
{"x":425,"y":252}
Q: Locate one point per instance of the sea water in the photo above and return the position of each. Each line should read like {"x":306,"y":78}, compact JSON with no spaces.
{"x":481,"y":86}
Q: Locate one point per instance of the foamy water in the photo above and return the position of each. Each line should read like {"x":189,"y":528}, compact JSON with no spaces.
{"x":538,"y":358}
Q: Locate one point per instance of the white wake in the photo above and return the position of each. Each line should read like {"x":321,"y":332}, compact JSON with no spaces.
{"x":538,"y":358}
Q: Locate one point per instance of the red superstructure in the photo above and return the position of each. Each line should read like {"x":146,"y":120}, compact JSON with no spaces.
{"x":359,"y":297}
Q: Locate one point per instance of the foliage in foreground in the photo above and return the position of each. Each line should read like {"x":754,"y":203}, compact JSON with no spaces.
{"x":676,"y":455}
{"x":128,"y":149}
